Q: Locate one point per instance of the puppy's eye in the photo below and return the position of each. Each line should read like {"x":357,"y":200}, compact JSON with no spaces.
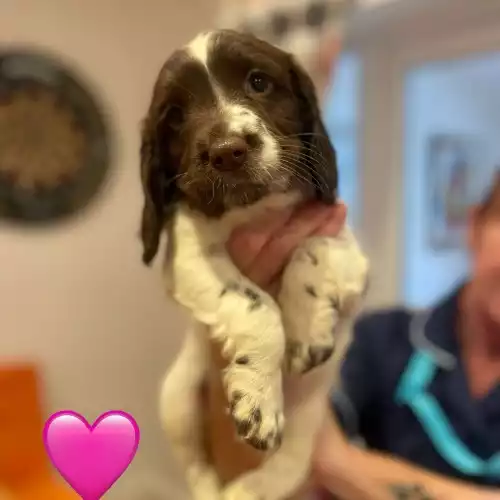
{"x":259,"y":83}
{"x":175,"y":117}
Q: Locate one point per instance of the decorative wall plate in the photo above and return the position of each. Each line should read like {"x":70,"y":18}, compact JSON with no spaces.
{"x":54,"y":139}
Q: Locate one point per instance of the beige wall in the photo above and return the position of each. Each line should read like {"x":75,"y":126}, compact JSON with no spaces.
{"x":76,"y":297}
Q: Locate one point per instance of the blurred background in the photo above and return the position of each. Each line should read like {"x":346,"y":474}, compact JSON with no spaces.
{"x":412,"y":105}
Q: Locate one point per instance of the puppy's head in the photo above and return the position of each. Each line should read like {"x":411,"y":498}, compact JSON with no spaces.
{"x":231,"y":120}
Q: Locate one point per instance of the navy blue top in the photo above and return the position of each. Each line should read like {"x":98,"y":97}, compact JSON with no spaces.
{"x":367,"y":406}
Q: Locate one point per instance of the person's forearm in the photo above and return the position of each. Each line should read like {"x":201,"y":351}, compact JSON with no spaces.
{"x":335,"y":473}
{"x":399,"y":478}
{"x":345,"y":467}
{"x":348,"y":483}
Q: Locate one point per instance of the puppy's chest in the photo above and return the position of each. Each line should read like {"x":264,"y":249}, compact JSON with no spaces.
{"x":219,"y":229}
{"x":195,"y":240}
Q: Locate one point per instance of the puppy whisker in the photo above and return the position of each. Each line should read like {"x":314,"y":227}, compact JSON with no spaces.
{"x":296,"y":168}
{"x":301,"y":159}
{"x":292,"y":169}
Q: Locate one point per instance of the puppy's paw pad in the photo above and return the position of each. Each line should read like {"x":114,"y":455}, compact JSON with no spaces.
{"x":259,"y":421}
{"x":303,"y":357}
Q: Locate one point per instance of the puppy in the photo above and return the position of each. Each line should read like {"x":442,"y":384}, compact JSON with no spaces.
{"x":233,"y":131}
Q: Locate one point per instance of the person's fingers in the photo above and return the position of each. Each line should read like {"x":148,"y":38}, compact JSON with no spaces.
{"x":261,"y":249}
{"x":246,"y":242}
{"x":334,"y":224}
{"x":278,"y":249}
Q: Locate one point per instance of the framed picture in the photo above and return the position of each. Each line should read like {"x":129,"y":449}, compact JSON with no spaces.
{"x":452,"y":173}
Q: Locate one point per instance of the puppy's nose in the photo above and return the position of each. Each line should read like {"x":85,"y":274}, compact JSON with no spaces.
{"x":229,"y":153}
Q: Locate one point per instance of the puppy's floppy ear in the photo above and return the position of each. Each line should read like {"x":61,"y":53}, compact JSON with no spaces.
{"x":157,"y":175}
{"x":314,"y":135}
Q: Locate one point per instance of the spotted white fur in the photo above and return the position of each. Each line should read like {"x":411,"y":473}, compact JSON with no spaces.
{"x":259,"y":335}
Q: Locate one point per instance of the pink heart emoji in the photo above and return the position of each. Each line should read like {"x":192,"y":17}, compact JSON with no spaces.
{"x":91,"y":458}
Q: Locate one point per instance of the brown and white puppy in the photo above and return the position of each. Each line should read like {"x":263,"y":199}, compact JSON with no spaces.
{"x":233,"y":131}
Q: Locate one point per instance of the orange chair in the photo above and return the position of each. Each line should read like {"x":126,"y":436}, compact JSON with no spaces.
{"x":25,"y":472}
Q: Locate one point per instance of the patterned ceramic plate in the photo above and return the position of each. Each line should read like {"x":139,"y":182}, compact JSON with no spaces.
{"x":54,"y":140}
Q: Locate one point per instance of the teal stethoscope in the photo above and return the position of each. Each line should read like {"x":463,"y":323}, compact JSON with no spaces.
{"x":412,"y":391}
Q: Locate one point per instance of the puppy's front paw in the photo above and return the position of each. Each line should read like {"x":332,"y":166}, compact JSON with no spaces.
{"x":311,"y":316}
{"x":257,"y":410}
{"x":237,"y":491}
{"x":321,"y":288}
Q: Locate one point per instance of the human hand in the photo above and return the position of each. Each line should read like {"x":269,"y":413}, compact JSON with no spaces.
{"x":262,"y":249}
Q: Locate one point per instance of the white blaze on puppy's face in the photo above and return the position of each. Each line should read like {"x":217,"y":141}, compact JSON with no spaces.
{"x":240,"y":120}
{"x":198,"y":47}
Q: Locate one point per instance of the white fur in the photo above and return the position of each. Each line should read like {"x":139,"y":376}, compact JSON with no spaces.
{"x":242,"y":120}
{"x":198,"y":47}
{"x":196,"y":274}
